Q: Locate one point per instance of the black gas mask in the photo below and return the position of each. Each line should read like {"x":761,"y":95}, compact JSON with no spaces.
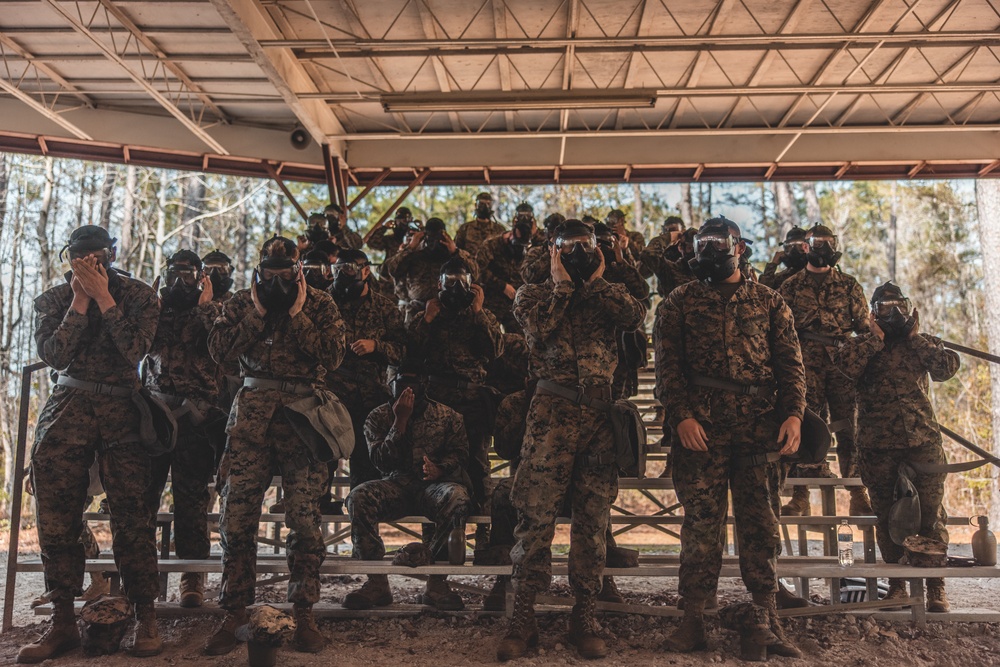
{"x":520,"y":237}
{"x":892,"y":312}
{"x":484,"y":208}
{"x":332,"y":216}
{"x":433,"y":244}
{"x":823,"y":251}
{"x":103,"y":256}
{"x":221,"y":277}
{"x":795,"y":254}
{"x":456,"y":290}
{"x":348,"y":281}
{"x":715,"y":257}
{"x":277,"y":286}
{"x":317,"y":275}
{"x":578,"y":254}
{"x":317,"y":232}
{"x":181,"y":288}
{"x":403,"y":381}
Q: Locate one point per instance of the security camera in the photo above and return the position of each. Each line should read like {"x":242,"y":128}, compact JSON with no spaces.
{"x":300,"y":139}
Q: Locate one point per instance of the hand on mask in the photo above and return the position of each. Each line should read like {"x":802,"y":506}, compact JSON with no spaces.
{"x":558,"y":271}
{"x":403,"y":409}
{"x":431,"y":310}
{"x":915,"y":329}
{"x":600,"y":269}
{"x":207,"y":294}
{"x":255,"y":297}
{"x":300,"y":297}
{"x":478,"y":298}
{"x":94,"y":280}
{"x":448,"y":243}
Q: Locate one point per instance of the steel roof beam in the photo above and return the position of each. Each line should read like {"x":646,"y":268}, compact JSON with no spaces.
{"x":140,"y":78}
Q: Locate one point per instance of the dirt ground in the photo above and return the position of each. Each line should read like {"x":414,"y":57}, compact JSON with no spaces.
{"x":438,"y":640}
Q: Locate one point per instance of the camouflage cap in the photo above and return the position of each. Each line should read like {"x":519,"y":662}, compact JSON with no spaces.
{"x":269,"y":626}
{"x":414,"y":554}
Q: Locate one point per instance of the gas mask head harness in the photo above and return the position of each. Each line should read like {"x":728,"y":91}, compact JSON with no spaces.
{"x":316,"y":269}
{"x":219,"y":268}
{"x":716,"y":254}
{"x":455,"y":283}
{"x":823,"y":247}
{"x":795,"y":249}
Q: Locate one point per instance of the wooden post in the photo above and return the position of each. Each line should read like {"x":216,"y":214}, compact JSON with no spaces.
{"x":368,"y":188}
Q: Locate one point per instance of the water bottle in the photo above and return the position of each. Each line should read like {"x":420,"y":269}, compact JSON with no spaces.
{"x":984,"y":543}
{"x":456,"y":545}
{"x":845,"y":544}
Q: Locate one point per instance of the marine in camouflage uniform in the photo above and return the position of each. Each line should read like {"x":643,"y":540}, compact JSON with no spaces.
{"x":636,"y":241}
{"x":182,"y":373}
{"x":392,"y":238}
{"x":499,"y":260}
{"x":828,"y":306}
{"x":729,"y":330}
{"x":415,"y":270}
{"x":287,"y":357}
{"x":897,"y":425}
{"x":456,"y":338}
{"x":570,"y":322}
{"x":662,"y":249}
{"x":792,"y":255}
{"x":473,"y":233}
{"x":375,"y":339}
{"x":423,"y":458}
{"x":340,"y":233}
{"x":94,"y":329}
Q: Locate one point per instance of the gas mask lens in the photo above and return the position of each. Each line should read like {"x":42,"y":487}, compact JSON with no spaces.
{"x":884,"y":309}
{"x":567,"y":245}
{"x":720,"y":243}
{"x":793,"y":246}
{"x":818,"y":242}
{"x":454,"y":280}
{"x":316,"y":269}
{"x":188,"y":275}
{"x":348,"y":269}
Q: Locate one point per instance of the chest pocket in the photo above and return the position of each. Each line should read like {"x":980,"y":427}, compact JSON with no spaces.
{"x":752,"y":321}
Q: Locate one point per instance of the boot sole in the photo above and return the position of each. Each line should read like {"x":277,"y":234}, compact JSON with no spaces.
{"x":531,"y":643}
{"x":308,"y":649}
{"x":148,"y":653}
{"x":700,"y":646}
{"x":588,"y":655}
{"x":459,"y":606}
{"x":191,"y":602}
{"x":63,"y":648}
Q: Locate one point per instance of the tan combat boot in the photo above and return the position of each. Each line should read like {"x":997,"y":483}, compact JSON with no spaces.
{"x":224,"y":639}
{"x":497,"y":599}
{"x":785,"y":599}
{"x":145,"y":640}
{"x":784,"y":647}
{"x":897,"y":590}
{"x":799,"y":504}
{"x":583,"y":629}
{"x":374,"y":592}
{"x":609,"y":591}
{"x":861,"y":504}
{"x":308,"y":638}
{"x":99,"y":585}
{"x":937,"y":600}
{"x":438,"y":594}
{"x":690,"y":636}
{"x":192,"y":589}
{"x":522,"y":631}
{"x":711,"y":603}
{"x":62,"y":636}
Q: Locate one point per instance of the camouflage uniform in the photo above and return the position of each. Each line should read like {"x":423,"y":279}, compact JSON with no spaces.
{"x":499,"y":267}
{"x":261,"y":441}
{"x":459,"y":346}
{"x":833,"y":306}
{"x":674,"y":275}
{"x":636,"y":244}
{"x":436,"y":432}
{"x":473,"y":233}
{"x":626,"y":380}
{"x":386,"y":241}
{"x":360,"y":381}
{"x":571,"y":335}
{"x":896,"y":424}
{"x":749,"y":339}
{"x":536,"y":266}
{"x":75,"y":425}
{"x":508,"y":372}
{"x":180,"y":369}
{"x":347,"y":238}
{"x":774,"y":278}
{"x":655,"y":256}
{"x":416,"y":274}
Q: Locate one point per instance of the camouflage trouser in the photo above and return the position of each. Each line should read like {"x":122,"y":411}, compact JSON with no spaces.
{"x":834,"y":397}
{"x":68,"y":437}
{"x":191,"y":466}
{"x":879,"y":471}
{"x":362,"y":468}
{"x":251,"y":466}
{"x":702,"y":481}
{"x":503,"y":515}
{"x":470,"y":404}
{"x":447,"y":504}
{"x":560,"y":438}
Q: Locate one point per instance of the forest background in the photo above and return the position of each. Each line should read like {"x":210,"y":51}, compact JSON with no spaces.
{"x":924,"y":235}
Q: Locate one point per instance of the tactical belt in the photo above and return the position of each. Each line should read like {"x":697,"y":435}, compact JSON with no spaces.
{"x":197,"y":409}
{"x":820,"y":338}
{"x":760,"y":459}
{"x":95,"y":387}
{"x":287,"y":387}
{"x":726,"y":385}
{"x":591,"y":397}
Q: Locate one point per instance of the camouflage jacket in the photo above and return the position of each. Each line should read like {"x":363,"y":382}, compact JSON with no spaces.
{"x":894,"y":409}
{"x":835,"y":306}
{"x":508,"y":372}
{"x":571,"y":331}
{"x":636,"y":244}
{"x":415,"y":274}
{"x":629,"y":276}
{"x":347,"y":238}
{"x":457,"y":344}
{"x":358,"y":380}
{"x":300,"y":349}
{"x":98,"y":347}
{"x":498,"y":267}
{"x":437,"y":432}
{"x":653,"y":258}
{"x":749,"y":339}
{"x":385,"y":240}
{"x":774,"y":278}
{"x":471,"y":235}
{"x":179,"y":363}
{"x":676,"y":274}
{"x":536,"y":265}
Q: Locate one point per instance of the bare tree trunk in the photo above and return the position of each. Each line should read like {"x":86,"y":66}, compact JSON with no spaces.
{"x":243,"y":213}
{"x":194,"y":205}
{"x":161,"y":230}
{"x":813,"y":214}
{"x":638,"y":222}
{"x":684,"y":206}
{"x":784,"y":207}
{"x":128,"y":220}
{"x":988,"y":204}
{"x":42,"y":226}
{"x":107,"y":194}
{"x":893,"y":243}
